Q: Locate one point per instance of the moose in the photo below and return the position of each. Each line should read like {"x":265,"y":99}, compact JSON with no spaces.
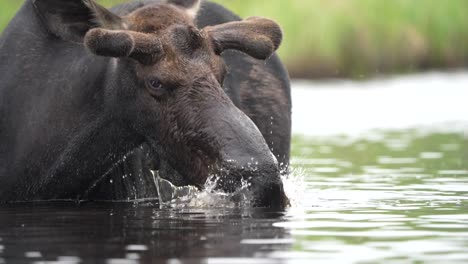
{"x":185,"y":87}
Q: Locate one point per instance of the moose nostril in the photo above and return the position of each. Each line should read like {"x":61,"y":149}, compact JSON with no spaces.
{"x":264,"y":183}
{"x":263,"y":178}
{"x":234,"y":173}
{"x":269,"y":192}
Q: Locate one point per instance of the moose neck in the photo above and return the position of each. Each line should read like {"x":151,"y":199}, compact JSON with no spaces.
{"x":99,"y":146}
{"x":99,"y":140}
{"x":90,"y":156}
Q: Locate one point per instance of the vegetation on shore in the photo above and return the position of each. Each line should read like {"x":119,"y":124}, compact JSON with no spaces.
{"x":354,"y":38}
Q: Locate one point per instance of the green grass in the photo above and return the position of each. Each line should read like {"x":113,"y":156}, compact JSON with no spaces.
{"x":353,"y":38}
{"x":7,"y":11}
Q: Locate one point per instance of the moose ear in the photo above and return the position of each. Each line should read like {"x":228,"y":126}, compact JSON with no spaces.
{"x":191,"y":6}
{"x":257,"y":37}
{"x":71,"y":19}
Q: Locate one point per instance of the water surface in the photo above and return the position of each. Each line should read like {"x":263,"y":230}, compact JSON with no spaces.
{"x":389,"y":197}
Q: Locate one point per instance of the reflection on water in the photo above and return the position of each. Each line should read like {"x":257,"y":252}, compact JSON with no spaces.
{"x":376,"y":197}
{"x":122,"y":233}
{"x":388,"y":197}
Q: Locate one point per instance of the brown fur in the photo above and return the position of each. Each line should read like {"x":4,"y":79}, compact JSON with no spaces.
{"x":71,"y":116}
{"x":258,"y":37}
{"x":171,"y":25}
{"x":167,"y":46}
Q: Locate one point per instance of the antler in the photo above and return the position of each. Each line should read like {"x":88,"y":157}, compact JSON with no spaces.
{"x":255,"y":36}
{"x":124,"y":43}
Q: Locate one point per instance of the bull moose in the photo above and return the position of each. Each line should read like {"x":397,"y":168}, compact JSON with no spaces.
{"x":89,"y":94}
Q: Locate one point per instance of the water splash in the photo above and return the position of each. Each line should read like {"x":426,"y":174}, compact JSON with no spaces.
{"x":295,"y":186}
{"x":212,"y":197}
{"x":171,"y":196}
{"x":167,"y":192}
{"x":209,"y":197}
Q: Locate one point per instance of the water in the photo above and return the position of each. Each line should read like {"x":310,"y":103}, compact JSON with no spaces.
{"x":347,"y":107}
{"x":394,"y":195}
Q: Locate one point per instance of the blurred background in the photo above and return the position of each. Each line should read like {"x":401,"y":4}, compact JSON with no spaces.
{"x":355,"y":38}
{"x":361,"y":38}
{"x":380,"y":147}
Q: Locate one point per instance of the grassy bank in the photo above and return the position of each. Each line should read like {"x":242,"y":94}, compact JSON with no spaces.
{"x":326,"y":38}
{"x":354,"y":38}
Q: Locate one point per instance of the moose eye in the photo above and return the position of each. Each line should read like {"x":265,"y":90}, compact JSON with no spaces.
{"x":156,"y":87}
{"x":155,"y":84}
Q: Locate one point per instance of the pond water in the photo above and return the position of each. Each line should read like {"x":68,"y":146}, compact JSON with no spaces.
{"x":394,"y":195}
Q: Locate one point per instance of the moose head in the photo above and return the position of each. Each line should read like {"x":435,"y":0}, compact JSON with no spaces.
{"x":164,"y":80}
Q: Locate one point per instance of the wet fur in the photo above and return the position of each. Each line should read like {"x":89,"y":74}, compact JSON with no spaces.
{"x":260,"y":89}
{"x":270,"y":76}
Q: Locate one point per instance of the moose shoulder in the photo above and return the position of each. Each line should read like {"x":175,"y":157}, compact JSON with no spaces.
{"x":88,"y":93}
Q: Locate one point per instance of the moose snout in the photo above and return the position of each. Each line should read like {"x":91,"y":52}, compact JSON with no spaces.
{"x":261,"y":174}
{"x":245,"y":158}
